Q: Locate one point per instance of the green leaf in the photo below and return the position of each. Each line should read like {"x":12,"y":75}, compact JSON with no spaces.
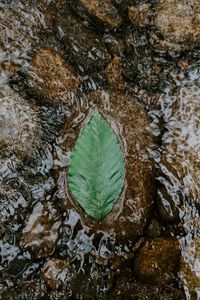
{"x":97,"y":168}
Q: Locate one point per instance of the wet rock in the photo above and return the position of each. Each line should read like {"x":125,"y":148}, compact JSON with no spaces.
{"x":139,"y":15}
{"x":166,"y":208}
{"x":20,"y":27}
{"x":51,"y":78}
{"x":103,"y":13}
{"x":114,"y":44}
{"x":20,"y":127}
{"x":154,"y":229}
{"x":54,"y":272}
{"x":177,"y":25}
{"x":189,"y":268}
{"x":84,"y":47}
{"x":41,"y":230}
{"x":93,"y":283}
{"x":157,"y":260}
{"x":179,"y":165}
{"x":128,"y":288}
{"x":122,"y":5}
{"x":114,"y":74}
{"x":140,"y":66}
{"x":18,"y":265}
{"x":116,"y":81}
{"x":131,"y":211}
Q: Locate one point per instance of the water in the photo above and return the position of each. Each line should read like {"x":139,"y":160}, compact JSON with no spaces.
{"x":57,"y":63}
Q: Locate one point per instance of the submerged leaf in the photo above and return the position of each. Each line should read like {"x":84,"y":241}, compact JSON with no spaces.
{"x":96,"y":170}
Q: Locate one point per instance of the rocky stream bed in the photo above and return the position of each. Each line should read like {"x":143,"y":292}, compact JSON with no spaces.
{"x":132,"y":64}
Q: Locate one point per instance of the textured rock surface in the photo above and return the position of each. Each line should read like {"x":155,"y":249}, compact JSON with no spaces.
{"x":139,"y":15}
{"x":181,"y":142}
{"x":19,"y":30}
{"x":167,"y":210}
{"x":140,"y":66}
{"x":20,"y":129}
{"x":178,"y":22}
{"x":83,"y":46}
{"x":54,"y":272}
{"x":97,"y":11}
{"x":157,"y":260}
{"x":189,"y":268}
{"x":51,"y":77}
{"x":113,"y":74}
{"x":131,"y":289}
{"x":131,"y":123}
{"x":41,"y":230}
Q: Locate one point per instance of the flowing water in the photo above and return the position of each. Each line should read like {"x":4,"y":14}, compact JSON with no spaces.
{"x":139,"y":63}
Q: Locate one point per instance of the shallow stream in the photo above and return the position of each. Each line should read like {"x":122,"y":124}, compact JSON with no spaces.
{"x":138,"y":64}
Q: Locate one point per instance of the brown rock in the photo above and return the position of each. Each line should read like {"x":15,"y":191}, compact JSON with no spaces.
{"x":157,"y":260}
{"x":115,"y":45}
{"x":9,"y":69}
{"x":131,"y":211}
{"x":128,"y":288}
{"x":139,"y":14}
{"x":178,"y":22}
{"x":20,"y":127}
{"x":41,"y":230}
{"x":190,"y":268}
{"x":113,"y":74}
{"x":102,"y":12}
{"x":54,"y":272}
{"x":84,"y":47}
{"x":51,"y":77}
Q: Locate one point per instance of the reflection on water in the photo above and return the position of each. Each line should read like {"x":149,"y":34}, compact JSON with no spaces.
{"x":138,"y":62}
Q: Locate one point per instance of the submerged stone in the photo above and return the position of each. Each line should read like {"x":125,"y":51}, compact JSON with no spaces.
{"x":131,"y":124}
{"x":157,"y":260}
{"x":20,"y":27}
{"x":178,"y":24}
{"x":41,"y":230}
{"x":128,"y":288}
{"x":84,"y":47}
{"x":51,"y":78}
{"x":139,"y":15}
{"x":189,"y":268}
{"x":55,"y":272}
{"x":102,"y":12}
{"x":113,"y":73}
{"x":179,"y":166}
{"x":20,"y":127}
